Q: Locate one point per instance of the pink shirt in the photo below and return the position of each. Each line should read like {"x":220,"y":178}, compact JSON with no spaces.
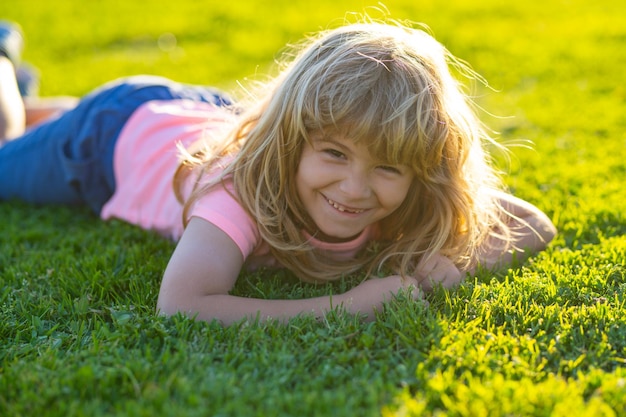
{"x":145,"y":160}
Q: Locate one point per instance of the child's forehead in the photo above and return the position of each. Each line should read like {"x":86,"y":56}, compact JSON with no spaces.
{"x":343,"y":133}
{"x":336,"y":136}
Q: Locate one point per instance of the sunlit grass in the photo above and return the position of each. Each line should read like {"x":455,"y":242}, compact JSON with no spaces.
{"x":78,"y":333}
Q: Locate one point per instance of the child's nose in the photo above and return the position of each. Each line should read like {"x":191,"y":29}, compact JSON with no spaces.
{"x":356,"y":185}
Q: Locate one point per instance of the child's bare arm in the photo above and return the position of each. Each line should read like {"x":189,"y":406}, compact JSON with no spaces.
{"x":206,"y":264}
{"x":531,"y":231}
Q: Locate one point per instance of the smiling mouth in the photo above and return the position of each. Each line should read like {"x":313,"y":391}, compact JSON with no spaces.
{"x":343,"y":208}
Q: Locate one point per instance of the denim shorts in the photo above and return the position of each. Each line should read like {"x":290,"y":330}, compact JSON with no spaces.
{"x":69,"y":160}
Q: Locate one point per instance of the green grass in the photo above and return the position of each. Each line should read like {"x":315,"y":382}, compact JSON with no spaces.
{"x":78,"y":332}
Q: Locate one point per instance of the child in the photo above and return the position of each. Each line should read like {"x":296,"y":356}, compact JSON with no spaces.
{"x":362,"y":155}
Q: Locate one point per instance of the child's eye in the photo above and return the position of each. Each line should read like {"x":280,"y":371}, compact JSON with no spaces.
{"x":334,"y":153}
{"x":390,"y":169}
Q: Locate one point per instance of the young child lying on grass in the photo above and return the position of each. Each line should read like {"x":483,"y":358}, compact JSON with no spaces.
{"x":364,"y":139}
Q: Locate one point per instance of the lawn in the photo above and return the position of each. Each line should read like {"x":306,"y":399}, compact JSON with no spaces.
{"x":78,"y":331}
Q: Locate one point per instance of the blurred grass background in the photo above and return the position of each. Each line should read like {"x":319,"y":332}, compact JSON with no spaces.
{"x":78,"y":335}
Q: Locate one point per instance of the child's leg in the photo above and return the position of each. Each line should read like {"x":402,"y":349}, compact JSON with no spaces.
{"x":18,"y":111}
{"x":66,"y":160}
{"x":39,"y":109}
{"x":12,"y":114}
{"x":69,"y":160}
{"x":12,"y":118}
{"x":31,"y":167}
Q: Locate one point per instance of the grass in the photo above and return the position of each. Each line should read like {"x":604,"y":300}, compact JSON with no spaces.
{"x":78,"y":332}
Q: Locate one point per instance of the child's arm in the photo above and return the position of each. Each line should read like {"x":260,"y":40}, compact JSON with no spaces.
{"x":531,"y":231}
{"x":206,"y":264}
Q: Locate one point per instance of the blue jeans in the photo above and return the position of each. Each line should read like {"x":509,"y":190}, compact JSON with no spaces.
{"x":69,"y":160}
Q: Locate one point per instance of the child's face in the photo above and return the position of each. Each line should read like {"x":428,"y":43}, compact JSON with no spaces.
{"x":344,"y":189}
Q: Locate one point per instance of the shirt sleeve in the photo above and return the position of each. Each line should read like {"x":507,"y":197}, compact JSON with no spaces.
{"x":222,"y":209}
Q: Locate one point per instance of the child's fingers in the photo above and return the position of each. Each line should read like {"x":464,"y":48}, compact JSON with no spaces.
{"x":415,"y":289}
{"x":438,"y":270}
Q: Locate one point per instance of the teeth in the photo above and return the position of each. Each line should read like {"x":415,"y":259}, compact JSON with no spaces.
{"x":342,"y":208}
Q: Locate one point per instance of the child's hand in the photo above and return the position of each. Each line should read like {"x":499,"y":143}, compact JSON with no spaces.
{"x":438,"y":270}
{"x":369,"y":296}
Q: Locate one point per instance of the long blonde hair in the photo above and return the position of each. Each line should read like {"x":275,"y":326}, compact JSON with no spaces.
{"x":391,"y":85}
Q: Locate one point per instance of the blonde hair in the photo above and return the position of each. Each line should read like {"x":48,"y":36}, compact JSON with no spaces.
{"x":391,"y":85}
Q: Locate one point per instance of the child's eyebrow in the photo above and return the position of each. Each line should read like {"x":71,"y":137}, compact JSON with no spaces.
{"x":330,"y":140}
{"x":321,"y":136}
